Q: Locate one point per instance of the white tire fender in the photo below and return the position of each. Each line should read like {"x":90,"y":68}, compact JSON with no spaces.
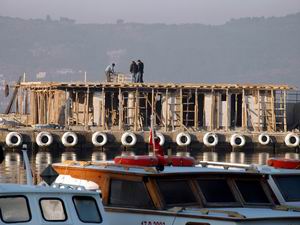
{"x":44,"y":139}
{"x":264,"y":139}
{"x":128,"y":139}
{"x":69,"y":139}
{"x":161,"y":137}
{"x":185,"y":142}
{"x":237,"y":140}
{"x":13,"y":139}
{"x":210,"y":139}
{"x":292,"y":140}
{"x":99,"y":139}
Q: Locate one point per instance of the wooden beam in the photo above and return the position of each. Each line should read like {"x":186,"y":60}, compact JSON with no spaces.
{"x":167,"y":110}
{"x":196,"y":110}
{"x":120,"y":96}
{"x":284,"y":111}
{"x":227,"y":111}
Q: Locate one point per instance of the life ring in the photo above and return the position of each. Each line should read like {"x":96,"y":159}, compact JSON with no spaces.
{"x":161,"y":138}
{"x":128,"y":139}
{"x":44,"y":139}
{"x":210,"y":139}
{"x":183,"y":139}
{"x":237,"y":140}
{"x":69,"y":139}
{"x":139,"y":160}
{"x":292,"y":140}
{"x":13,"y":139}
{"x":99,"y":139}
{"x":264,"y":139}
{"x":284,"y":163}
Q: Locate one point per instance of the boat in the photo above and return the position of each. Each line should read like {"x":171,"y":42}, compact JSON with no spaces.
{"x":284,"y":183}
{"x":42,"y":204}
{"x":160,"y":193}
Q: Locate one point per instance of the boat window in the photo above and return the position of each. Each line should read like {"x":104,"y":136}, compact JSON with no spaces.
{"x":176,"y":192}
{"x":53,"y":209}
{"x":87,"y":209}
{"x":14,"y":209}
{"x":252,"y":191}
{"x":129,"y":193}
{"x":289,"y":187}
{"x":216,"y":190}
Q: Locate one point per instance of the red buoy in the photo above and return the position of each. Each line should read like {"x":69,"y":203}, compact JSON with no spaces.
{"x":284,"y":163}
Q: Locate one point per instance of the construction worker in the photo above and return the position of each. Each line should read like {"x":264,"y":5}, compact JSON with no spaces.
{"x":110,"y":70}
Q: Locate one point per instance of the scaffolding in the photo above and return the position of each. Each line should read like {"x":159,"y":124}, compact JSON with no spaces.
{"x":129,"y":106}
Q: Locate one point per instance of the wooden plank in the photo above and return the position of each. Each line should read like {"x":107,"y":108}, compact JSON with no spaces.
{"x":227,"y":111}
{"x":196,"y":110}
{"x":212,"y":109}
{"x":284,"y":112}
{"x":9,"y":106}
{"x":244,"y":111}
{"x":120,"y":96}
{"x":181,"y":108}
{"x":167,"y":110}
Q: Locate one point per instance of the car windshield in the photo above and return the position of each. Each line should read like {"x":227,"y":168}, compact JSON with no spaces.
{"x":288,"y":186}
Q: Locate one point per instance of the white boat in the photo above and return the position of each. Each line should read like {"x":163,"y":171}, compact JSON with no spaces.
{"x":284,"y":183}
{"x":39,"y":204}
{"x":182,"y":195}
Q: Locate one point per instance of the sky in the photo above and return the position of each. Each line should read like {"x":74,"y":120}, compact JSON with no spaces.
{"x":148,"y":11}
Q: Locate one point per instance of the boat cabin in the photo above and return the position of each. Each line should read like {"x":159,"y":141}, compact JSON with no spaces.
{"x":148,"y":188}
{"x":34,"y":205}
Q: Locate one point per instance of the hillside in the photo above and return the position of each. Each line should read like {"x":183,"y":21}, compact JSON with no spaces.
{"x":243,"y":50}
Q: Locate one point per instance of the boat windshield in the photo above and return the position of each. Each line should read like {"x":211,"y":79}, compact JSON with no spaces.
{"x":176,"y":192}
{"x":288,"y":186}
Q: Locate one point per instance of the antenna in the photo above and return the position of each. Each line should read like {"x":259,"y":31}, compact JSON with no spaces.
{"x":27,"y":165}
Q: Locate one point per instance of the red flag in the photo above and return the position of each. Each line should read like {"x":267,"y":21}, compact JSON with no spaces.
{"x":158,"y":151}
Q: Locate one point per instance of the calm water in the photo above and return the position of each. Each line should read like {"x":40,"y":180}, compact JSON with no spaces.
{"x":12,"y":169}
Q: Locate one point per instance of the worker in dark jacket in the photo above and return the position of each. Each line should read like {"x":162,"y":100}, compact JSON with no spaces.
{"x":140,"y":73}
{"x":133,"y":70}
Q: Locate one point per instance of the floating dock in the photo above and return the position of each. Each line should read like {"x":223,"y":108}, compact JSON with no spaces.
{"x":195,"y":109}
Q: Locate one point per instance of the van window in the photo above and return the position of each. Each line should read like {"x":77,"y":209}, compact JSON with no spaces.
{"x":129,"y":193}
{"x":216,"y":191}
{"x":14,"y":209}
{"x":176,"y":192}
{"x":289,"y":187}
{"x":87,"y":209}
{"x":53,"y":209}
{"x":252,"y":191}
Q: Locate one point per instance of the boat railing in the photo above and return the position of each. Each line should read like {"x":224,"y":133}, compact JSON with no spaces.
{"x":225,"y":165}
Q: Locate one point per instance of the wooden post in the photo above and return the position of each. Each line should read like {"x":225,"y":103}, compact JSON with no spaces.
{"x":120,"y":109}
{"x":87,"y":108}
{"x":76,"y":107}
{"x":136,"y":110}
{"x":284,"y":111}
{"x":259,"y":111}
{"x":153,"y":107}
{"x":196,"y":110}
{"x":103,"y":118}
{"x":181,"y":108}
{"x":244,"y":112}
{"x":273,"y":127}
{"x":212,"y":109}
{"x":227,"y":111}
{"x":167,"y":110}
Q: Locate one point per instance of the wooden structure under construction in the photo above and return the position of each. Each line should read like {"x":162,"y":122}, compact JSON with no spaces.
{"x":128,"y":106}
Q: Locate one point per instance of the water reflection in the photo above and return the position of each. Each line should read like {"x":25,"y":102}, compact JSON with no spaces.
{"x":12,"y":169}
{"x":68,"y":156}
{"x":99,"y":156}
